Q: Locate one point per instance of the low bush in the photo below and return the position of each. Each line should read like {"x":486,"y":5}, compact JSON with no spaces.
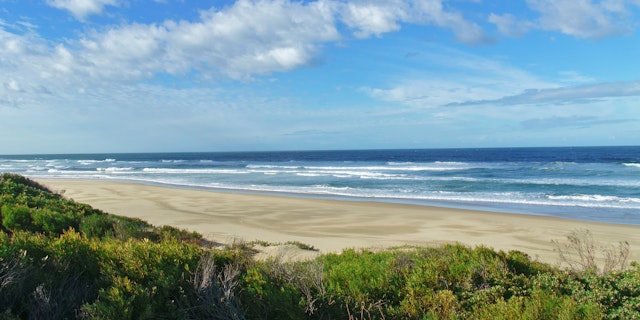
{"x":53,"y":222}
{"x":97,"y":226}
{"x":143,"y":279}
{"x":16,"y":217}
{"x":167,"y":233}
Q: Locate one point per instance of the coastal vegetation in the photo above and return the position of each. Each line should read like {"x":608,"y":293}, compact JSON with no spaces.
{"x":60,"y":259}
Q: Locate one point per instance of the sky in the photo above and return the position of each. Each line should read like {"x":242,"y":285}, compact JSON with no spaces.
{"x":90,"y":76}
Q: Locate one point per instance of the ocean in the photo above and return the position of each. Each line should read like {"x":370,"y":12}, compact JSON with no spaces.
{"x":582,"y":183}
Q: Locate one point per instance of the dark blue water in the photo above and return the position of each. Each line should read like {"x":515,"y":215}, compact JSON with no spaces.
{"x":585,"y":183}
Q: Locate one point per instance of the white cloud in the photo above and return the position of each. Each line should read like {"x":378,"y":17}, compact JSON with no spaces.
{"x":461,"y":77}
{"x":22,"y":58}
{"x":368,"y":18}
{"x":578,"y":18}
{"x":82,"y":8}
{"x":131,"y":52}
{"x":574,"y":77}
{"x":255,"y":37}
{"x":430,"y":93}
{"x":571,"y":121}
{"x":13,"y":85}
{"x":247,"y":38}
{"x":374,"y":18}
{"x":583,"y":18}
{"x":566,"y":95}
{"x":433,"y":12}
{"x":510,"y":25}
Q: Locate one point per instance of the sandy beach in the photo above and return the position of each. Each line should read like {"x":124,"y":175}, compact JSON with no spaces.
{"x":333,"y":225}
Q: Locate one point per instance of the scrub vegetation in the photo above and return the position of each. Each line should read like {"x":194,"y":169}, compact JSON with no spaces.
{"x":60,"y":259}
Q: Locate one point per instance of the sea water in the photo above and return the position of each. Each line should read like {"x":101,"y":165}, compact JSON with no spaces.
{"x":583,"y":183}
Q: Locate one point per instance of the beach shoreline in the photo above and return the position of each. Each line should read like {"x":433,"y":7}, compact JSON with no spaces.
{"x":334,"y":225}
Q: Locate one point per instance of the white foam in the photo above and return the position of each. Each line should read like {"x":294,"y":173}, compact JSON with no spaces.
{"x":392,"y":163}
{"x":594,"y":198}
{"x":193,"y":171}
{"x":172,"y":161}
{"x":115,"y":169}
{"x":424,"y":167}
{"x":452,"y":163}
{"x":300,"y":174}
{"x":70,"y":172}
{"x":270,"y":166}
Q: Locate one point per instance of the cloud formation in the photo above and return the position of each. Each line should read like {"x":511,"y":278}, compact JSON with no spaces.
{"x":368,"y":18}
{"x":82,"y":8}
{"x":244,"y":39}
{"x":239,"y":41}
{"x":564,"y":95}
{"x":463,"y":78}
{"x":509,"y":25}
{"x":578,"y":18}
{"x":571,"y":121}
{"x":256,"y":37}
{"x":583,"y":18}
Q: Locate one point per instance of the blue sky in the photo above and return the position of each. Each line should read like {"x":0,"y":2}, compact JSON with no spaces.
{"x":175,"y":75}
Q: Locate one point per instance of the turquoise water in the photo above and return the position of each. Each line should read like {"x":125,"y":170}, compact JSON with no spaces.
{"x":585,"y":183}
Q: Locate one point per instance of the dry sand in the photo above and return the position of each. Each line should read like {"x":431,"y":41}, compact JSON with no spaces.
{"x":333,"y":225}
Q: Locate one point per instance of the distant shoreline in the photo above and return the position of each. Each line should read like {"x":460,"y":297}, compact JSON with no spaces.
{"x":333,"y":225}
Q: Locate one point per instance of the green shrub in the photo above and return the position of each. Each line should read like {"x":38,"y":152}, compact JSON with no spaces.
{"x":55,"y":278}
{"x":72,"y":278}
{"x":16,"y":217}
{"x":53,"y":222}
{"x":150,"y":278}
{"x":125,"y":299}
{"x":363,"y":276}
{"x":519,"y":262}
{"x":21,"y":182}
{"x":125,"y":228}
{"x":269,"y":298}
{"x":617,"y":293}
{"x":168,"y":233}
{"x":97,"y":226}
{"x":540,"y":305}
